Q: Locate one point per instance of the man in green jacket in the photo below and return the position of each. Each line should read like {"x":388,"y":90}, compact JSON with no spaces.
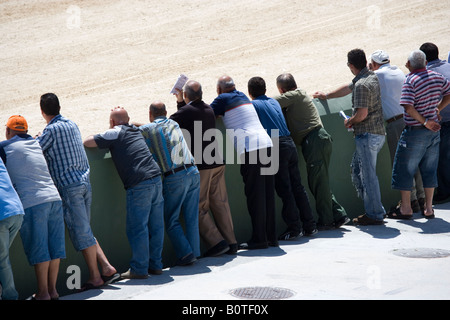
{"x":307,"y":130}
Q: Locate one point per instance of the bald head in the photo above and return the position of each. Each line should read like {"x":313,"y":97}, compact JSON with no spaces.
{"x":286,"y":82}
{"x":193,"y":91}
{"x":119,"y":116}
{"x":157,"y":109}
{"x":225,"y":84}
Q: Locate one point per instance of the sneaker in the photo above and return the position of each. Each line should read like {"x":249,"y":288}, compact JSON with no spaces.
{"x":253,"y":246}
{"x":290,"y":235}
{"x":364,"y":220}
{"x":311,"y":232}
{"x":342,"y":221}
{"x":130,"y":275}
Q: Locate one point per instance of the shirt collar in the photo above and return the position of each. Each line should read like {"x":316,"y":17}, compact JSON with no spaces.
{"x":361,"y":74}
{"x":195,"y":101}
{"x":20,"y":136}
{"x":435,"y":63}
{"x":386,"y":65}
{"x":261,"y":97}
{"x":55,"y":118}
{"x":160,"y":119}
{"x":419,"y":70}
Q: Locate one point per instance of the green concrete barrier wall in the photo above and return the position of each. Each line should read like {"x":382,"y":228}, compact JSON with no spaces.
{"x":108,"y":206}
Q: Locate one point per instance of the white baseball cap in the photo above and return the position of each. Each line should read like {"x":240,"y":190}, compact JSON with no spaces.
{"x":380,"y":57}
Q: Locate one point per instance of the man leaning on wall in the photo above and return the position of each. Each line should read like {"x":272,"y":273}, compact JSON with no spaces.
{"x":369,"y":132}
{"x":197,"y":117}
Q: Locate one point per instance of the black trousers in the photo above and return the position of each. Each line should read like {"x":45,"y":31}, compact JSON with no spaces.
{"x":260,"y":194}
{"x":296,"y":211}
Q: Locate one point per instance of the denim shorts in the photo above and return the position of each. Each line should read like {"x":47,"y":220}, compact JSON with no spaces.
{"x":418,"y":148}
{"x":77,"y":199}
{"x":42,"y":232}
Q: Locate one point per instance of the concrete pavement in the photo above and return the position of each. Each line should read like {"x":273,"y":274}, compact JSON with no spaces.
{"x":403,"y":259}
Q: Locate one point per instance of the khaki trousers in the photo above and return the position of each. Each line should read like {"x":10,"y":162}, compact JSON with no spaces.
{"x":214,"y":198}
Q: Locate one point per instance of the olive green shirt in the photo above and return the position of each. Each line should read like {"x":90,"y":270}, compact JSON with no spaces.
{"x":300,"y":112}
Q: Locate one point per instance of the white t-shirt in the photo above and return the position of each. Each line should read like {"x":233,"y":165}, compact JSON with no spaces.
{"x":391,"y":80}
{"x":241,"y":122}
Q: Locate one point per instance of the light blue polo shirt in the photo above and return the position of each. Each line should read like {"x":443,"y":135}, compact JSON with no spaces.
{"x":10,"y":204}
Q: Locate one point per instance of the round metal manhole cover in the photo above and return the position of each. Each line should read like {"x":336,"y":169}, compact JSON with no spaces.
{"x":262,"y":293}
{"x":425,"y":253}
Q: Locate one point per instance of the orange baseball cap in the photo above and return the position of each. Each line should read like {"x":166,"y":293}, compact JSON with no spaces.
{"x":17,"y":123}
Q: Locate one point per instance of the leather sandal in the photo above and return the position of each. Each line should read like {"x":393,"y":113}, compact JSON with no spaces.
{"x":396,"y":214}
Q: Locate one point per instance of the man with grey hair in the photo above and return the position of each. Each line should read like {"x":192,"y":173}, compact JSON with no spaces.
{"x":391,"y":80}
{"x":418,"y":146}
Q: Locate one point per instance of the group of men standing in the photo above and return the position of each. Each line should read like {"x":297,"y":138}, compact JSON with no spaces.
{"x":413,"y":109}
{"x":50,"y":175}
{"x":164,"y":177}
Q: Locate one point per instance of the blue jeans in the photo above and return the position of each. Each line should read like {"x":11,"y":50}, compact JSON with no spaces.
{"x":364,"y":173}
{"x":417,"y":148}
{"x":181,"y":193}
{"x":77,"y":199}
{"x":8,"y":231}
{"x":42,"y":232}
{"x":145,"y":225}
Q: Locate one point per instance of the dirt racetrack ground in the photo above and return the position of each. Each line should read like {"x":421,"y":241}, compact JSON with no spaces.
{"x":99,"y":54}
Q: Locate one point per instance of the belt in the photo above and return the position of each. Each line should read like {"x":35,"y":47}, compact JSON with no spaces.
{"x":184,"y":167}
{"x":414,"y":127}
{"x":399,"y":116}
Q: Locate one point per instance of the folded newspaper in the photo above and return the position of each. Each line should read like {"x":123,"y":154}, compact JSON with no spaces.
{"x":181,"y":81}
{"x":344,"y":116}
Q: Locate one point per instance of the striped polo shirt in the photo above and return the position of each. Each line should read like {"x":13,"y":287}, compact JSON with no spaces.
{"x":167,"y":144}
{"x":64,"y":151}
{"x":423,"y":89}
{"x":241,"y":121}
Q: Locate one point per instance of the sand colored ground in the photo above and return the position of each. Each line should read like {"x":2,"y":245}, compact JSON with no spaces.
{"x":99,"y":54}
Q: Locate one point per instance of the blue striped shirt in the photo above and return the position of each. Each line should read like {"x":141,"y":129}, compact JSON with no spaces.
{"x":167,"y":144}
{"x":423,"y":89}
{"x":64,"y":151}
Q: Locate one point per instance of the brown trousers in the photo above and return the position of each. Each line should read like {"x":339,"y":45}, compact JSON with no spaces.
{"x":214,"y":198}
